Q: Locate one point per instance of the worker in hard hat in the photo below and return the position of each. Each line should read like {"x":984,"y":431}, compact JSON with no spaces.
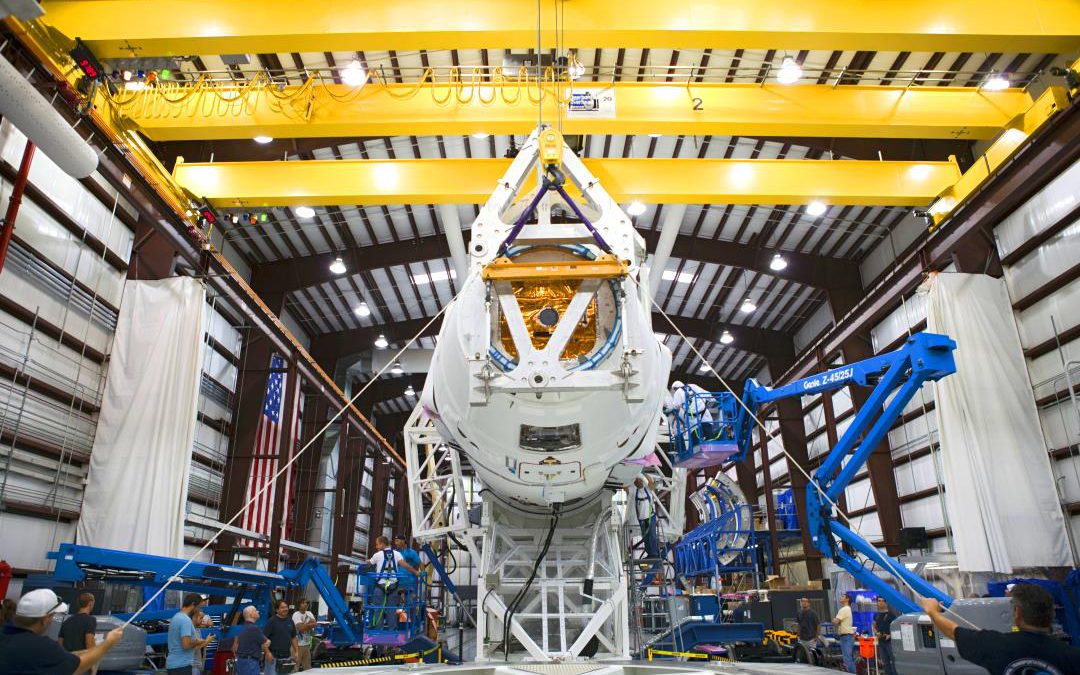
{"x":688,"y":408}
{"x":644,"y":502}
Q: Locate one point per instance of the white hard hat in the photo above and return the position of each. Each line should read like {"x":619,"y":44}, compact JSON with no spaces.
{"x":677,"y":385}
{"x":40,"y":603}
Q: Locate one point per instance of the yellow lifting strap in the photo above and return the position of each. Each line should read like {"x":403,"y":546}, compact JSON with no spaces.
{"x":505,"y":269}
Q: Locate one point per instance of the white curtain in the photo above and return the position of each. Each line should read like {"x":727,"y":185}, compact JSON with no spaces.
{"x":999,"y":486}
{"x":137,"y":484}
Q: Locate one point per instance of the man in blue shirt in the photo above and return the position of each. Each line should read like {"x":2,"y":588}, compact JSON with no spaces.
{"x":182,"y":640}
{"x":411,"y":556}
{"x":250,"y":645}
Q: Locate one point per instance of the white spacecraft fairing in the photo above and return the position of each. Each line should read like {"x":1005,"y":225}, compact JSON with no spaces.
{"x":547,"y":374}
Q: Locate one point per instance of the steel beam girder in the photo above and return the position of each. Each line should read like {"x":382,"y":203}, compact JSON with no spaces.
{"x":804,"y":268}
{"x":121,"y":28}
{"x":282,"y":276}
{"x":641,"y":108}
{"x":328,"y":347}
{"x":658,"y":181}
{"x":1050,"y":150}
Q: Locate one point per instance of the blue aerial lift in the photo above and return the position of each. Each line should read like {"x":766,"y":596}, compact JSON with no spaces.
{"x":728,"y":437}
{"x":77,"y":565}
{"x":923,"y":357}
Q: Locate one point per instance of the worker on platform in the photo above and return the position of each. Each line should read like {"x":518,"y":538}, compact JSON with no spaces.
{"x":687,"y":410}
{"x":182,"y":640}
{"x":1028,"y":649}
{"x":845,"y":632}
{"x":644,"y":499}
{"x":250,"y":645}
{"x":386,"y":561}
{"x":883,"y":632}
{"x":25,"y":649}
{"x":809,"y":626}
{"x":411,"y":557}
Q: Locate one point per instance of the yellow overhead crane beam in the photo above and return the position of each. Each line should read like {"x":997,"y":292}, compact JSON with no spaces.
{"x":145,"y":28}
{"x":657,"y":181}
{"x":212,"y":111}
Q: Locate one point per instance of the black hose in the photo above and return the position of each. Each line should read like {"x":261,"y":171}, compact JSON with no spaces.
{"x":508,"y":616}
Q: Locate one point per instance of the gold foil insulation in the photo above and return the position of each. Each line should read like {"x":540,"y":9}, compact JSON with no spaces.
{"x":533,"y":297}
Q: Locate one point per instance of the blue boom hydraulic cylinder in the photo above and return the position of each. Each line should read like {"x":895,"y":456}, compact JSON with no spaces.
{"x":923,"y":357}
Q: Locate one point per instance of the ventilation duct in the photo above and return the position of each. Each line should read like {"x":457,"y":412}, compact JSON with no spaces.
{"x":34,"y":116}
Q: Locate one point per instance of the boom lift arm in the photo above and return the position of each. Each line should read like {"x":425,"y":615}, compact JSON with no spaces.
{"x":923,"y":357}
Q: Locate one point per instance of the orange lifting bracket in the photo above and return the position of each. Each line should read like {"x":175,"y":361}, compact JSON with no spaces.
{"x":504,"y":269}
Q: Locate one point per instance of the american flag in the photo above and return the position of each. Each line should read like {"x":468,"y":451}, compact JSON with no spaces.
{"x":266,"y":451}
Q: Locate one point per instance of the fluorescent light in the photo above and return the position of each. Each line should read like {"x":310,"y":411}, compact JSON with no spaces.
{"x":777,"y":263}
{"x":635,"y":208}
{"x":480,"y":135}
{"x":790,"y":72}
{"x":338,"y":266}
{"x":747,"y":306}
{"x":704,"y":367}
{"x":681,"y":277}
{"x":442,"y":275}
{"x":409,"y":391}
{"x":726,"y":338}
{"x":654,"y":135}
{"x":304,"y":212}
{"x":816,"y":208}
{"x":381,"y":342}
{"x":362,"y":310}
{"x":263,"y":140}
{"x":354,"y":74}
{"x":996,"y":82}
{"x":396,"y":369}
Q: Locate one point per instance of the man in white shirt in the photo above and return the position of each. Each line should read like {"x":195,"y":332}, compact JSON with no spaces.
{"x":385,"y":562}
{"x":305,"y":623}
{"x":845,"y":633}
{"x":689,"y":406}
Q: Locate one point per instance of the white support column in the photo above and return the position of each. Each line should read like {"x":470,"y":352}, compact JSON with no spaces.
{"x":451,"y":223}
{"x":669,"y":229}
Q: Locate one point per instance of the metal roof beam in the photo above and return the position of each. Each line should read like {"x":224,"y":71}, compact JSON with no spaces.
{"x":291,"y":274}
{"x":658,"y":181}
{"x":327,"y":348}
{"x":121,"y":28}
{"x":333,"y":110}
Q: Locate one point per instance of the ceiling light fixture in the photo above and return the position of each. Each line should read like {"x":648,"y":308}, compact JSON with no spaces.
{"x":704,"y":367}
{"x":655,"y":135}
{"x":778,"y":263}
{"x":747,"y":306}
{"x":381,"y":342}
{"x":263,"y":140}
{"x":410,"y":392}
{"x":396,"y":369}
{"x":635,"y":208}
{"x":362,"y":310}
{"x":576,"y":69}
{"x":996,"y":82}
{"x":480,"y":135}
{"x":726,"y":338}
{"x":354,"y":75}
{"x":790,"y":72}
{"x":304,"y":212}
{"x":816,"y":208}
{"x":338,"y":266}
